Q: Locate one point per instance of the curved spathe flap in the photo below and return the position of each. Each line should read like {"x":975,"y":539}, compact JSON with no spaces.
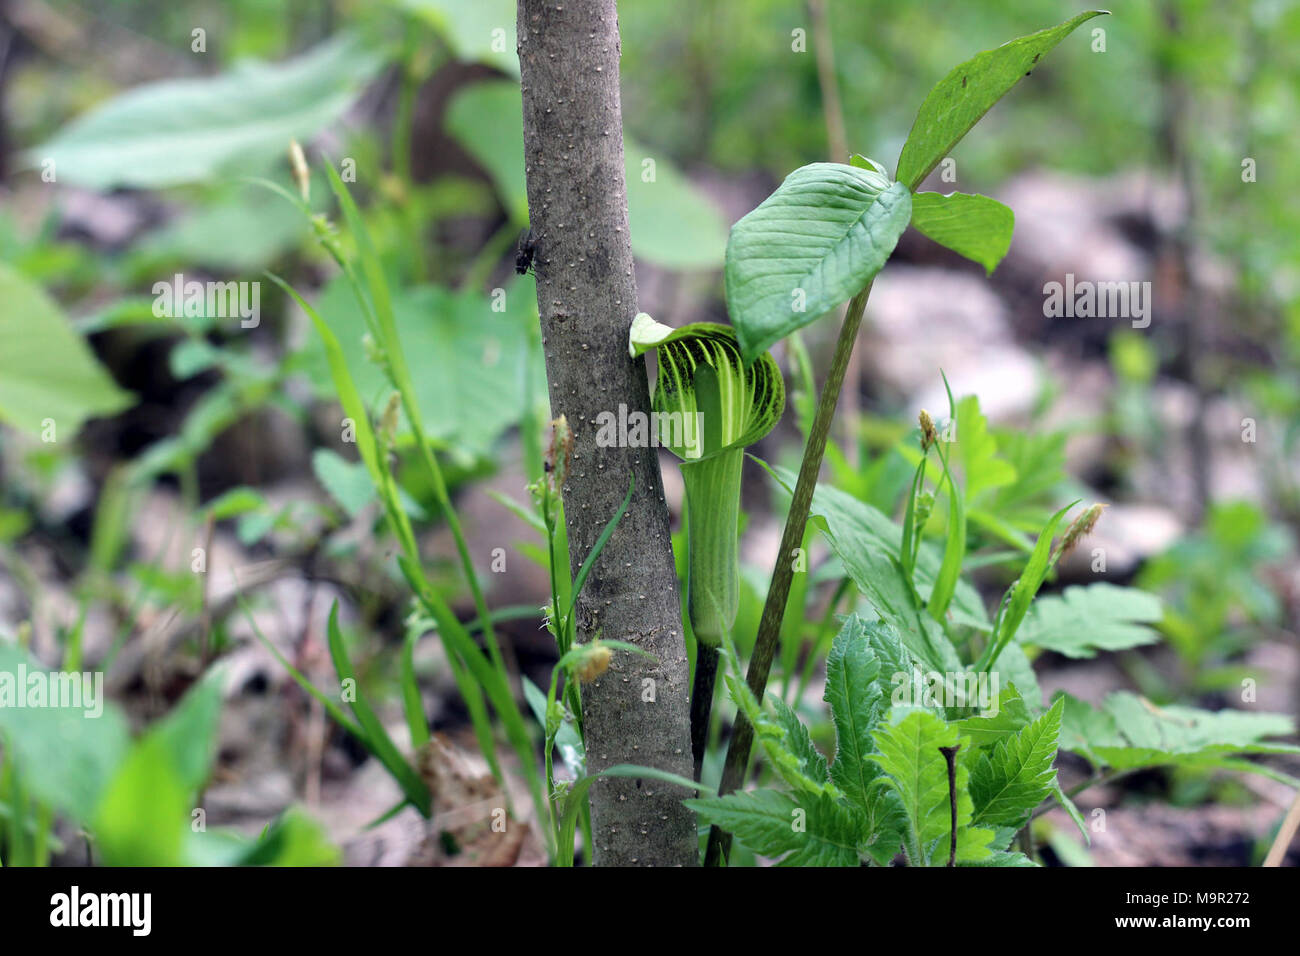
{"x":705,"y":398}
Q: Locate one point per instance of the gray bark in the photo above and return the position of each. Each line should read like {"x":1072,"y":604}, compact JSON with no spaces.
{"x":586,"y":294}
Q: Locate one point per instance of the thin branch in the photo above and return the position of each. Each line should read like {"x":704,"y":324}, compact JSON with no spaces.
{"x":778,"y":593}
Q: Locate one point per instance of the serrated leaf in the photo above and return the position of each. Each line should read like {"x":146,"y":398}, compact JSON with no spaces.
{"x":968,"y":92}
{"x":1012,"y":715}
{"x":854,"y":693}
{"x":810,"y":246}
{"x":1005,"y":858}
{"x":769,"y":822}
{"x":977,"y":449}
{"x":1016,"y":775}
{"x":811,"y":761}
{"x":908,"y":751}
{"x":1014,"y":667}
{"x":885,"y":824}
{"x":969,"y":224}
{"x":1086,"y":619}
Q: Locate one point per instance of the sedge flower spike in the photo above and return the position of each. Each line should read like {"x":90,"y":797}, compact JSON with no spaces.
{"x":708,"y":407}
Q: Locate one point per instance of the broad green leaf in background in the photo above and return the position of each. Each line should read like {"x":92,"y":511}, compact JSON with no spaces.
{"x":190,"y":130}
{"x":348,"y":482}
{"x":481,"y":31}
{"x":1015,"y":775}
{"x":971,"y":225}
{"x":766,"y":822}
{"x":810,"y":246}
{"x":89,"y":748}
{"x":1128,"y":732}
{"x":468,"y":361}
{"x":189,"y":732}
{"x":239,"y":231}
{"x":1086,"y":619}
{"x":46,"y":369}
{"x":968,"y":92}
{"x":673,"y":225}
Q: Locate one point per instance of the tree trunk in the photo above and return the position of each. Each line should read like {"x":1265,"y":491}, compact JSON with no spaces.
{"x":637,"y":712}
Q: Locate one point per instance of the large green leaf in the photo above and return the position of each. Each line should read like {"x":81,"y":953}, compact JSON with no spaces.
{"x":910,"y":754}
{"x":811,"y":245}
{"x":144,"y":815}
{"x":46,"y":369}
{"x":239,"y":231}
{"x":908,"y":751}
{"x":1086,"y":619}
{"x":977,"y":450}
{"x":672,"y":224}
{"x":181,"y":131}
{"x":470,"y":363}
{"x":89,"y":743}
{"x":968,"y":92}
{"x":971,"y":225}
{"x":809,"y":831}
{"x":1014,"y":776}
{"x":854,"y":693}
{"x":1128,"y":732}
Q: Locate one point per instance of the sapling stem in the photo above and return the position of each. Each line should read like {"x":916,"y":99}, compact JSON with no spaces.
{"x":769,"y":628}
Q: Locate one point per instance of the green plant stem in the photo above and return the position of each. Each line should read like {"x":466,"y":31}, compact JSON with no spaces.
{"x":769,"y":628}
{"x":713,"y":576}
{"x":712,"y":519}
